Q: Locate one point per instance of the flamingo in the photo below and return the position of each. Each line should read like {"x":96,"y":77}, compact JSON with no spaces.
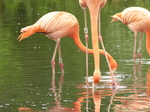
{"x":56,"y":25}
{"x":138,"y":20}
{"x":94,"y":8}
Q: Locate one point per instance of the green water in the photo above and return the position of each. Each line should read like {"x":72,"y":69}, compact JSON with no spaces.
{"x":25,"y":68}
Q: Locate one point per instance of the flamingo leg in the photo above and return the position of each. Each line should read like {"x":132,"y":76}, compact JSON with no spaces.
{"x":134,"y":52}
{"x":140,"y":43}
{"x":60,"y":59}
{"x":54,"y":56}
{"x":114,"y":83}
{"x":86,"y":41}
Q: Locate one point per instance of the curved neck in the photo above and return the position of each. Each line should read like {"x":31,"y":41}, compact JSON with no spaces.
{"x":80,"y":45}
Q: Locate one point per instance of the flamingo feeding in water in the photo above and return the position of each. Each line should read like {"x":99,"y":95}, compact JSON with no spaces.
{"x":138,"y":20}
{"x":94,"y":8}
{"x":57,"y":25}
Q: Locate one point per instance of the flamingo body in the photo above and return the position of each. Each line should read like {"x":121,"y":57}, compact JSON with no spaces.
{"x":57,"y":25}
{"x":138,"y":20}
{"x":52,"y":24}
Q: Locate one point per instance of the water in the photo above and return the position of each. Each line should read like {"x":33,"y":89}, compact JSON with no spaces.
{"x":26,"y":80}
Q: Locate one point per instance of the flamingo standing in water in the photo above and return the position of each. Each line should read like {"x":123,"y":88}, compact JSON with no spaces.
{"x":94,"y":7}
{"x":57,"y":25}
{"x":138,"y":20}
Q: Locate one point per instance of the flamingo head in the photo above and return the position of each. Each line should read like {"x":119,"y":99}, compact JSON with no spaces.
{"x":117,"y":17}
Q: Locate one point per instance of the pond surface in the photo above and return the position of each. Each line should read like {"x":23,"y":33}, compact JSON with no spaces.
{"x":26,"y":80}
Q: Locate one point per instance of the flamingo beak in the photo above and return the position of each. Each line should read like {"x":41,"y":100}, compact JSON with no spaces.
{"x":20,"y":37}
{"x":114,"y":19}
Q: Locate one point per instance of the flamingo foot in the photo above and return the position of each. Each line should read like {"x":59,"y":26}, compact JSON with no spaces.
{"x":115,"y":85}
{"x":87,"y":84}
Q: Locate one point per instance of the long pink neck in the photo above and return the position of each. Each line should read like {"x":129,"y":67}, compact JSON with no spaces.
{"x":80,"y":45}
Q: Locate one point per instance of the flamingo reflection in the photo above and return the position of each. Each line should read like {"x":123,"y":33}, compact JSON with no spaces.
{"x":77,"y":105}
{"x":87,"y":97}
{"x":139,"y":100}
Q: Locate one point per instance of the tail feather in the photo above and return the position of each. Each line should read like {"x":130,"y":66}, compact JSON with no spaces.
{"x":148,"y":42}
{"x":27,"y":31}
